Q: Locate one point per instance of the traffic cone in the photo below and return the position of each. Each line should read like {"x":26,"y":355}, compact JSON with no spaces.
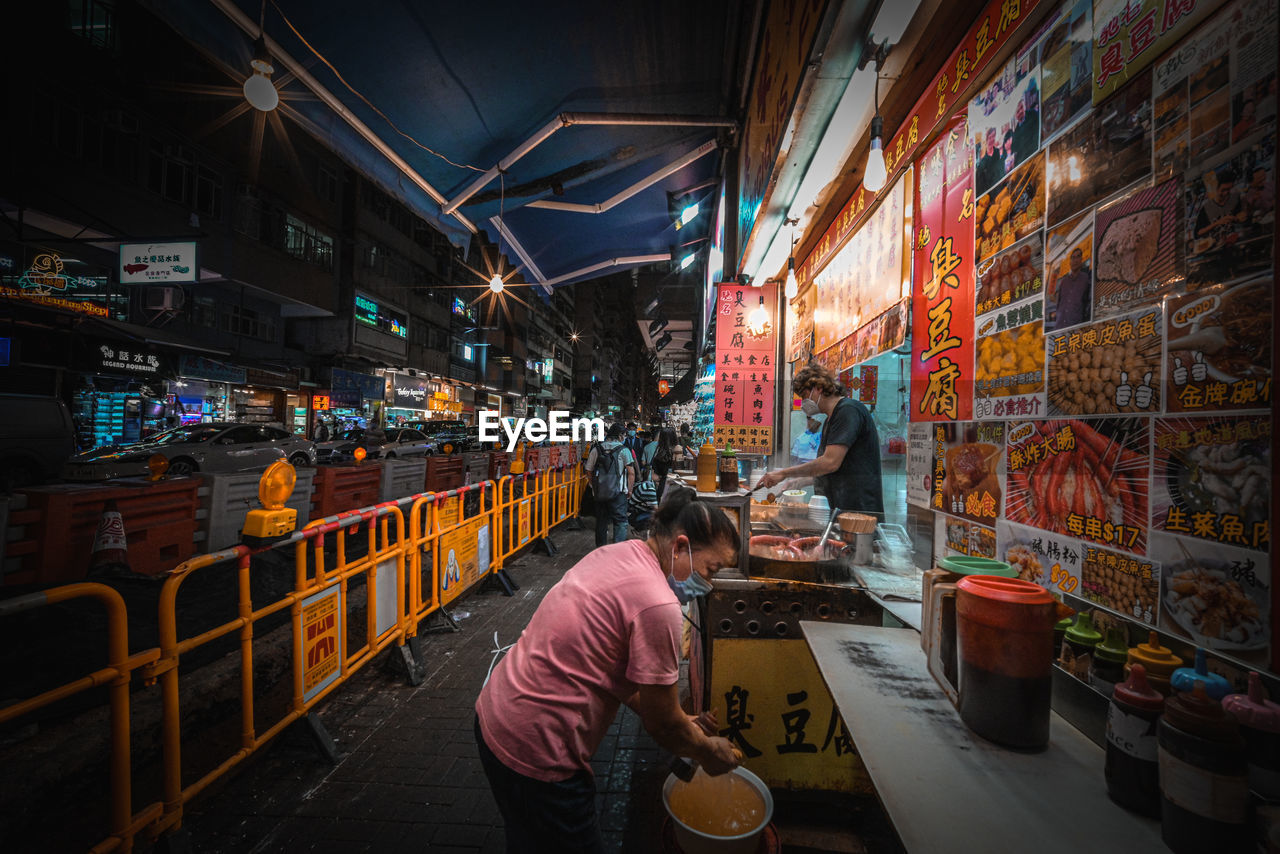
{"x":110,"y":551}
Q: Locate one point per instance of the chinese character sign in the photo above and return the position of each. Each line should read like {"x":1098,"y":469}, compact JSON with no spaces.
{"x":1128,"y":35}
{"x":746,"y":366}
{"x":942,"y":316}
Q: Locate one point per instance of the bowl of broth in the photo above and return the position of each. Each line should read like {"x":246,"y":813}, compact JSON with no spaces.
{"x":718,"y":815}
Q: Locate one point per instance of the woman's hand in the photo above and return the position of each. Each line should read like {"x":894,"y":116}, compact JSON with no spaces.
{"x":721,"y":757}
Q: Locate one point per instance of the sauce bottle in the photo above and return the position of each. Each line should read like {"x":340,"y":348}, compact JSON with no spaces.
{"x":1132,"y":772}
{"x":1204,"y":776}
{"x":1078,"y":646}
{"x":1060,"y":634}
{"x":729,"y":471}
{"x":1260,"y":722}
{"x":1186,"y":678}
{"x":1159,"y":661}
{"x":707,"y":468}
{"x":1108,"y":661}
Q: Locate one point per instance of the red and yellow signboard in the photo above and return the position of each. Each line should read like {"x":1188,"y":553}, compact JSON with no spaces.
{"x":989,"y":33}
{"x":319,"y":402}
{"x":941,"y":317}
{"x":320,"y":626}
{"x":746,"y":366}
{"x":1131,"y":34}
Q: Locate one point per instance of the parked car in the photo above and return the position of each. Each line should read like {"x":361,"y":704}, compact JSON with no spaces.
{"x":449,"y":436}
{"x":212,"y":447}
{"x":474,"y":443}
{"x":400,"y":442}
{"x":36,"y":437}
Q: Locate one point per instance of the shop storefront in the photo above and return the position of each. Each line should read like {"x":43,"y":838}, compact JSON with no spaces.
{"x":354,"y":398}
{"x":202,"y":390}
{"x":422,"y":399}
{"x":118,"y":390}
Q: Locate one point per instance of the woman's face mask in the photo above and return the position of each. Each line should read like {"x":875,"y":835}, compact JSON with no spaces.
{"x":809,"y":405}
{"x":692,"y":587}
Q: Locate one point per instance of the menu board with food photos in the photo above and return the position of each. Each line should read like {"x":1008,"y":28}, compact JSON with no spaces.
{"x":1113,"y":246}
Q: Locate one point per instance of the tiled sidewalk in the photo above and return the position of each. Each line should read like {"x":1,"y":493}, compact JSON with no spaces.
{"x":411,"y":779}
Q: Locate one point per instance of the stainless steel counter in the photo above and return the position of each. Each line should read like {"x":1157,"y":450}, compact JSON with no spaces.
{"x":947,"y":790}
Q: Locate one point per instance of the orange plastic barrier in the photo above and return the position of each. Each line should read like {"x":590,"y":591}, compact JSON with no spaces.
{"x":339,"y":488}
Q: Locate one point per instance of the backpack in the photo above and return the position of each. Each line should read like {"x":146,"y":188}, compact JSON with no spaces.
{"x":609,"y":476}
{"x":662,"y":455}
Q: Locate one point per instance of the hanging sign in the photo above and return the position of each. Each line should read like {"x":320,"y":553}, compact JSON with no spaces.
{"x":941,"y":316}
{"x":663,"y":387}
{"x":159,"y":263}
{"x":746,"y":349}
{"x":123,"y":358}
{"x":996,"y":25}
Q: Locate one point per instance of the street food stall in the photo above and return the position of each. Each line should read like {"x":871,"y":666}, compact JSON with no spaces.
{"x":1074,"y":247}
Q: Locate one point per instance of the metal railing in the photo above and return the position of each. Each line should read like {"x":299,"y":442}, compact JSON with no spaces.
{"x":429,"y":557}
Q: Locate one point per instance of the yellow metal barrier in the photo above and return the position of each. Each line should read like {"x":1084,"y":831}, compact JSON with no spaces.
{"x":120,"y":666}
{"x":318,"y":608}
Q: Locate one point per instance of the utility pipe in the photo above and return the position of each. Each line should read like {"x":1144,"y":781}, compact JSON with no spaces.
{"x":250,"y":26}
{"x":564,"y":120}
{"x":622,"y":261}
{"x":643,"y":184}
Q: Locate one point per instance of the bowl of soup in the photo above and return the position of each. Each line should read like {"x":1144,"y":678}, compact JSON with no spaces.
{"x":725,"y":814}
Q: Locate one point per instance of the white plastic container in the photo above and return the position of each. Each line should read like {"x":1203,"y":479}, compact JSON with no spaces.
{"x":696,"y":842}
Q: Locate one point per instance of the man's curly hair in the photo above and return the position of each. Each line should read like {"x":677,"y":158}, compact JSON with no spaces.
{"x":813,"y":376}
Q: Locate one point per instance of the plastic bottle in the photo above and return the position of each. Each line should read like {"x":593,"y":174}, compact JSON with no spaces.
{"x":728,"y":471}
{"x":707,"y":468}
{"x":1080,"y":640}
{"x":1109,"y":657}
{"x":1159,"y":661}
{"x":1204,"y":776}
{"x":1185,"y":678}
{"x":1132,"y":772}
{"x":1059,"y":635}
{"x":1260,"y":723}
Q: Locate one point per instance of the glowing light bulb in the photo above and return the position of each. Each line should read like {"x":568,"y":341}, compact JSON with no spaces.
{"x":260,"y":94}
{"x":791,"y":288}
{"x":758,"y":320}
{"x":875,"y":175}
{"x":495,"y":284}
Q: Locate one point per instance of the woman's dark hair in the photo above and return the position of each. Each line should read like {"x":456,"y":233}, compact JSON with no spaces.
{"x":666,"y":442}
{"x":704,"y":524}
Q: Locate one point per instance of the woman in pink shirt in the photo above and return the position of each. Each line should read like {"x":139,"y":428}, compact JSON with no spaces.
{"x":607,"y":633}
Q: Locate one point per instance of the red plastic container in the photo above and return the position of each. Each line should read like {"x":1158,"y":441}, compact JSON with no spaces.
{"x":1004,"y":640}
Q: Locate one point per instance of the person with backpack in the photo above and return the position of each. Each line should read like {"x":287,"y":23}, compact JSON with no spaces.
{"x":612,"y":470}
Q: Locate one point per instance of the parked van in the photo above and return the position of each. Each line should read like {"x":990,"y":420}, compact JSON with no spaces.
{"x":36,"y":437}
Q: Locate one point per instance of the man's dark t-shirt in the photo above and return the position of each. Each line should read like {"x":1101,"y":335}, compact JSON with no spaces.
{"x":856,"y":484}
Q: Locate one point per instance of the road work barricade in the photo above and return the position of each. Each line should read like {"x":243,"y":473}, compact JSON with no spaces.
{"x":362,"y":582}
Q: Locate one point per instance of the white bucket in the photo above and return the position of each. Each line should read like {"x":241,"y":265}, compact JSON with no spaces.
{"x":696,"y":842}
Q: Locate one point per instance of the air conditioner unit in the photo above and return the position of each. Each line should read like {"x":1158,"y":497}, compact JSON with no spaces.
{"x":163,"y":299}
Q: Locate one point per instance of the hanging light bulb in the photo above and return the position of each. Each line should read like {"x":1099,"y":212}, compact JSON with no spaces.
{"x":874,"y":176}
{"x":495,"y":284}
{"x":258,"y":88}
{"x":791,"y":288}
{"x":758,"y":320}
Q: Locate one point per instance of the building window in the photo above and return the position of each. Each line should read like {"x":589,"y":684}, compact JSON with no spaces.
{"x":326,"y":183}
{"x":94,"y":21}
{"x":204,"y":312}
{"x":306,"y":243}
{"x":239,"y":320}
{"x":209,"y":193}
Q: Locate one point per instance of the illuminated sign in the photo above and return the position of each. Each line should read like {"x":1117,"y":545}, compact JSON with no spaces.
{"x":548,"y":369}
{"x":319,"y":402}
{"x":158,"y":263}
{"x":663,"y":387}
{"x":467,"y":352}
{"x":46,"y":276}
{"x":381,"y":317}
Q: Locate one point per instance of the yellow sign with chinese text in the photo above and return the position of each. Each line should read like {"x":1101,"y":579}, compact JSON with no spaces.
{"x":449,"y":511}
{"x":771,"y":702}
{"x":461,"y":553}
{"x":525,"y":515}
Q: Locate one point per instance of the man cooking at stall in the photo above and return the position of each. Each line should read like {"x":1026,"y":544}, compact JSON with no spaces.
{"x":847,"y":468}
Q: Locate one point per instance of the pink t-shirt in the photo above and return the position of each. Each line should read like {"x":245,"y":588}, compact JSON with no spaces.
{"x":608,"y":626}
